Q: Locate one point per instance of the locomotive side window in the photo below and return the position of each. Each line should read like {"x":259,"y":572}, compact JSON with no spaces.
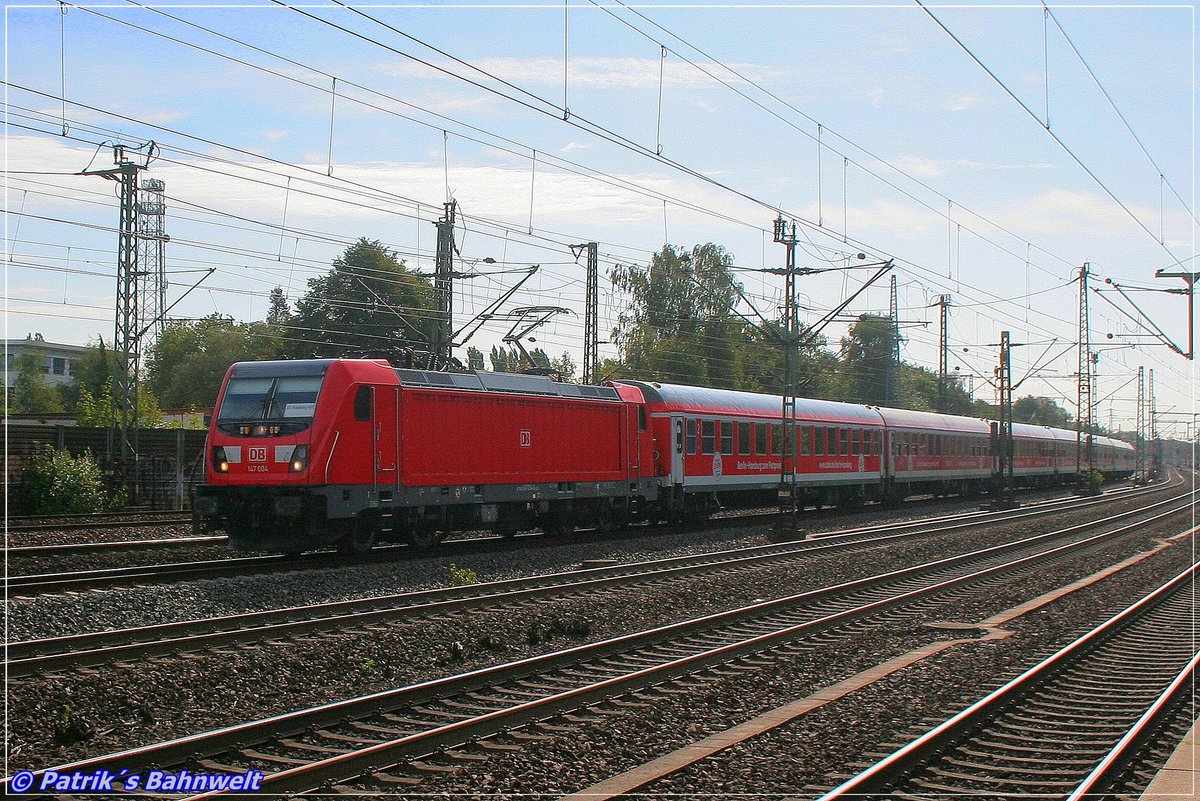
{"x":708,"y":436}
{"x":641,"y":418}
{"x":362,"y":404}
{"x":744,"y":432}
{"x":760,"y":438}
{"x":691,"y":437}
{"x":727,"y":437}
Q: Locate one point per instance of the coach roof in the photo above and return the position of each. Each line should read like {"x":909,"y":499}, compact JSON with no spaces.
{"x":700,"y":401}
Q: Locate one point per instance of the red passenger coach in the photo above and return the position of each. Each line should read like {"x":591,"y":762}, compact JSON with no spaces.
{"x":716,"y":442}
{"x":931,"y":452}
{"x":312,"y":452}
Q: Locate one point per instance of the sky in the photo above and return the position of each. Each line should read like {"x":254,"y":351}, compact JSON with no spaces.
{"x":989,"y":150}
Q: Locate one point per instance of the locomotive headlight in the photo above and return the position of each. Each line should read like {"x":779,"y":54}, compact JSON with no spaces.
{"x":299,"y":459}
{"x":220,"y":463}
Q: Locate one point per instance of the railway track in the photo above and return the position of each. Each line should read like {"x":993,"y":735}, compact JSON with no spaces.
{"x":391,"y":739}
{"x":38,"y":656}
{"x":32,"y":584}
{"x":71,"y":550}
{"x":1066,"y":727}
{"x":24,"y":525}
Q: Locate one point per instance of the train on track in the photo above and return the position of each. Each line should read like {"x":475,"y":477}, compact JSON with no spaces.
{"x":308,"y":453}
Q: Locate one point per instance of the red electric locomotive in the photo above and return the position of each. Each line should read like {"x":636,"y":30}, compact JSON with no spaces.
{"x":313,"y":452}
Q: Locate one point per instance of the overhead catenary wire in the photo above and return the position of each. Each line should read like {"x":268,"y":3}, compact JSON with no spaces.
{"x":1062,"y":144}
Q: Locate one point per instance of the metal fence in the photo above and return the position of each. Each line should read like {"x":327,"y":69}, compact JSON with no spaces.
{"x":169,"y":463}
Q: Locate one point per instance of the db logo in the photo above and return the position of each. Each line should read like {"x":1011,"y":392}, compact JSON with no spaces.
{"x":526,"y":438}
{"x":257,"y":454}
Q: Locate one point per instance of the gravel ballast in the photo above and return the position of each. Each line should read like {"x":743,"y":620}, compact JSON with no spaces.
{"x":163,"y":698}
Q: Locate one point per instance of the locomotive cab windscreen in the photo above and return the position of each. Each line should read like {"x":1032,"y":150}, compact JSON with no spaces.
{"x":268,"y":405}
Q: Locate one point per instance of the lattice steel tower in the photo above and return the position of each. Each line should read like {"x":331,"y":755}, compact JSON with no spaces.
{"x":1084,"y":395}
{"x":1141,"y":424}
{"x":152,"y":261}
{"x":127,"y":351}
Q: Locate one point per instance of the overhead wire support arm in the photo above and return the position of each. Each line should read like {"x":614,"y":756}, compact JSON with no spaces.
{"x":1145,"y":321}
{"x":490,"y":312}
{"x":1190,"y":279}
{"x":162,"y":316}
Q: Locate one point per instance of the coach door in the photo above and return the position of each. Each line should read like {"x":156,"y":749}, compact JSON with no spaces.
{"x":677,"y":440}
{"x":385,"y":422}
{"x":639,"y":432}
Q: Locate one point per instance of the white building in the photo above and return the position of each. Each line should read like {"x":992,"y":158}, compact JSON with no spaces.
{"x":56,"y":360}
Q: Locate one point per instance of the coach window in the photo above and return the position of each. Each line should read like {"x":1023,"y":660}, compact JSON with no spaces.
{"x":691,"y":437}
{"x":744,"y":438}
{"x":855,"y":442}
{"x":727,"y":437}
{"x":818,"y":445}
{"x":844,"y":434}
{"x":708,"y":436}
{"x":760,"y":438}
{"x":805,"y":440}
{"x":362,"y":404}
{"x":875,"y":442}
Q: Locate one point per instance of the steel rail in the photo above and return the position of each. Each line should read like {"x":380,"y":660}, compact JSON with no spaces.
{"x":853,"y":600}
{"x":33,"y":656}
{"x":234,"y":566}
{"x":15,"y":527}
{"x":877,"y":778}
{"x":1123,"y":752}
{"x":74,"y":549}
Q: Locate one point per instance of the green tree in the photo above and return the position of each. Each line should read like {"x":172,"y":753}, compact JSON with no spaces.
{"x":919,"y":391}
{"x":679,"y":325}
{"x":278,"y":313}
{"x":762,"y":370}
{"x":866,"y":356}
{"x":369,"y":301}
{"x":89,"y":370}
{"x":505,"y":359}
{"x":186,"y":364}
{"x":1041,"y":412}
{"x":475,"y":358}
{"x":99,"y":410}
{"x":30,"y":393}
{"x":565,"y":366}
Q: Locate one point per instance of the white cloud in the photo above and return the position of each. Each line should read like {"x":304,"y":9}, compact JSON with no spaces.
{"x":920,"y":166}
{"x":1060,"y":211}
{"x":962,"y":103}
{"x":161,"y":117}
{"x":573,"y":146}
{"x":276,"y":135}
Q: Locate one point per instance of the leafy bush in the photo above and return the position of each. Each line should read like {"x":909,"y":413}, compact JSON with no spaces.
{"x":462,"y":576}
{"x":54,"y":482}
